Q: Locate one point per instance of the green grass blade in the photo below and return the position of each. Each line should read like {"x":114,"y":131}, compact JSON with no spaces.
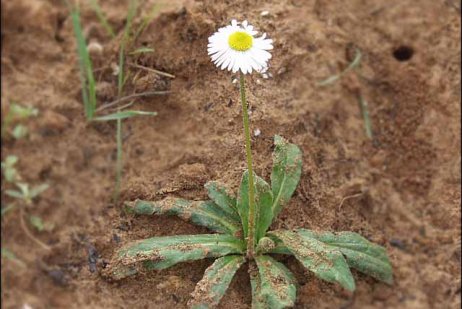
{"x":148,"y":18}
{"x":86,"y":71}
{"x":142,"y":50}
{"x":203,"y":213}
{"x":210,"y":290}
{"x":332,"y":79}
{"x":124,"y":115}
{"x":102,"y":18}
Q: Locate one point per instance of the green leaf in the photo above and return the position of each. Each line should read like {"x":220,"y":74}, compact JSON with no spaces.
{"x":36,"y":191}
{"x":22,"y":112}
{"x":274,"y":286}
{"x":124,"y":115}
{"x":263,"y":212}
{"x":19,"y":131}
{"x":243,"y":203}
{"x":216,"y":280}
{"x":223,"y":197}
{"x":324,"y":261}
{"x":203,"y":213}
{"x":37,"y":222}
{"x":9,"y":171}
{"x":7,"y":209}
{"x":8,"y":254}
{"x":10,"y":174}
{"x":164,"y":252}
{"x":15,"y":194}
{"x":287,"y":168}
{"x":10,"y":161}
{"x":263,"y":202}
{"x":361,"y":254}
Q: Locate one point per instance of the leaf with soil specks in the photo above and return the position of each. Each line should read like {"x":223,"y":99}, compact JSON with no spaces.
{"x":263,"y":211}
{"x":223,"y":197}
{"x":324,"y":261}
{"x":273,"y":285}
{"x":164,"y":252}
{"x":287,"y":168}
{"x":204,"y":213}
{"x":361,"y":254}
{"x":263,"y":201}
{"x":216,"y":280}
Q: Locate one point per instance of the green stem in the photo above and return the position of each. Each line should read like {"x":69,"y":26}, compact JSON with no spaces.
{"x":248,"y":152}
{"x":119,"y":163}
{"x":365,"y":113}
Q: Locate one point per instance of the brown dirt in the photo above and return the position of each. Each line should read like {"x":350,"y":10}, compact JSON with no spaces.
{"x":409,"y":178}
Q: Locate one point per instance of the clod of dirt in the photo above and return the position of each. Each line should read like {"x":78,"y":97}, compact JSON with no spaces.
{"x":58,"y":276}
{"x":54,"y":122}
{"x":92,"y":258}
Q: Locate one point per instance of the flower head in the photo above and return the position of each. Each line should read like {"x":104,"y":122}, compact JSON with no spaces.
{"x":235,"y":48}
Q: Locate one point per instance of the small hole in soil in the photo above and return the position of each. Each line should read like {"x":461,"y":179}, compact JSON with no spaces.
{"x":403,"y":53}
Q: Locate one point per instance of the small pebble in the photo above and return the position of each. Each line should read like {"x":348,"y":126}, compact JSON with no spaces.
{"x":397,"y":243}
{"x":95,"y":48}
{"x":115,"y":69}
{"x":235,"y":81}
{"x":264,"y":13}
{"x":257,"y":132}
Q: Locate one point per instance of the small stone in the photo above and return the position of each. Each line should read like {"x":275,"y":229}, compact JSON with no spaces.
{"x":257,"y":132}
{"x":95,"y":48}
{"x":235,"y":81}
{"x":264,"y":13}
{"x":282,"y":70}
{"x":115,"y":69}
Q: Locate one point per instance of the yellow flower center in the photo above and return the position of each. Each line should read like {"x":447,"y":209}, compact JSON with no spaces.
{"x":240,"y":41}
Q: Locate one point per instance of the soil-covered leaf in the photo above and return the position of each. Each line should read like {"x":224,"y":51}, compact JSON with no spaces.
{"x":273,"y":285}
{"x":323,"y":260}
{"x":223,"y":197}
{"x":263,"y":211}
{"x":243,"y":203}
{"x":164,"y":252}
{"x":216,"y":280}
{"x":287,"y":168}
{"x":203,"y":213}
{"x":263,"y":202}
{"x":361,"y":254}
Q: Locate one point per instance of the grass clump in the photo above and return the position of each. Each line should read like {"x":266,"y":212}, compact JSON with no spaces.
{"x":89,"y":83}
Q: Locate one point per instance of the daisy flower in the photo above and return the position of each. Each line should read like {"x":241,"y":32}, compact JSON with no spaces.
{"x":235,"y":48}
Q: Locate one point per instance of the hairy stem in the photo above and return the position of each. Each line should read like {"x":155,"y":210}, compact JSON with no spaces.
{"x":248,"y":152}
